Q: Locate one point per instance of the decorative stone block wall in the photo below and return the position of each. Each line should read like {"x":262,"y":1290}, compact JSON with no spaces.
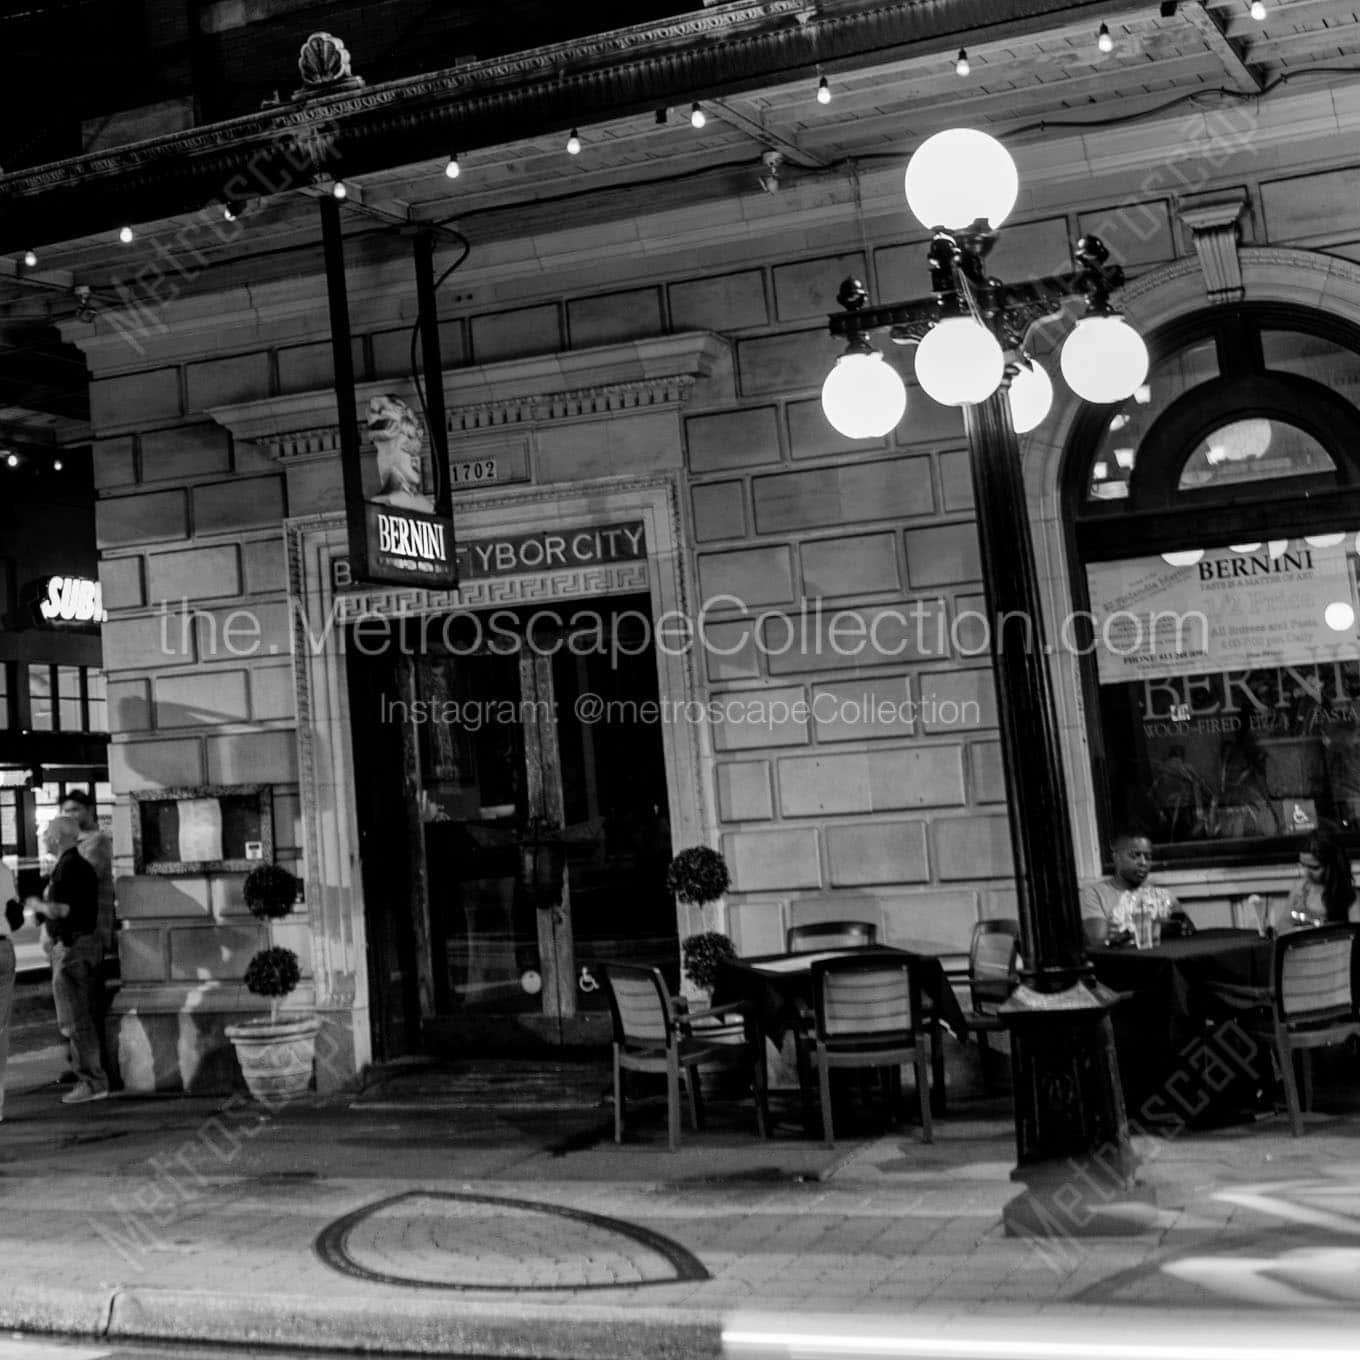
{"x":852,"y":761}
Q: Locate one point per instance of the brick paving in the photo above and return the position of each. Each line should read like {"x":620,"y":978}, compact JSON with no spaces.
{"x":156,"y":1214}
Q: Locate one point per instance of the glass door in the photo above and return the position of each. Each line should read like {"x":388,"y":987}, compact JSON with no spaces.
{"x":539,"y":828}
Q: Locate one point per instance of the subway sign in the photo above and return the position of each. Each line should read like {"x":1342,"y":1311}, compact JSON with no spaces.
{"x":59,"y":601}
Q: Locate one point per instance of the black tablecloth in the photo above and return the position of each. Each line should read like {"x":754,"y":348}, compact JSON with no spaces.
{"x":776,"y":995}
{"x":1174,"y":1065}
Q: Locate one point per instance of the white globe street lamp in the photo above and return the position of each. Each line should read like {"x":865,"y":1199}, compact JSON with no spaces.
{"x":863,"y":396}
{"x":1104,"y":360}
{"x":959,"y":362}
{"x":1031,"y":397}
{"x":960,"y":177}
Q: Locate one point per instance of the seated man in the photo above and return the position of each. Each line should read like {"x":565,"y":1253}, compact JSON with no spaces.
{"x":1107,"y":907}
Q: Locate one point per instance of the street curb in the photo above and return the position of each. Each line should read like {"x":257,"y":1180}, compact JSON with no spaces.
{"x":401,"y":1323}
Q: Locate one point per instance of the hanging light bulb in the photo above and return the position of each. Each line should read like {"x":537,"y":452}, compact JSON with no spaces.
{"x":823,"y":91}
{"x":961,"y":66}
{"x":960,"y":176}
{"x":697,"y":118}
{"x":1258,"y":10}
{"x":1031,"y":397}
{"x":453,"y":169}
{"x":31,"y":259}
{"x":959,"y":363}
{"x":56,"y":465}
{"x":12,"y":460}
{"x":1104,"y":359}
{"x":1103,"y":39}
{"x":573,"y":144}
{"x":339,"y":190}
{"x":863,"y":396}
{"x":125,"y":235}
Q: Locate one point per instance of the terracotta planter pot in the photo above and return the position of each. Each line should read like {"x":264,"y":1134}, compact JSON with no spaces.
{"x":276,"y":1057}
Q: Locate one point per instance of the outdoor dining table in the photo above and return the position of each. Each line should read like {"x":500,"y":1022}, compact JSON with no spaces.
{"x":1174,"y":1064}
{"x":779,"y":988}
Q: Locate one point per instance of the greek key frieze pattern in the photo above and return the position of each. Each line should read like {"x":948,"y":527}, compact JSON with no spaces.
{"x":622,"y":578}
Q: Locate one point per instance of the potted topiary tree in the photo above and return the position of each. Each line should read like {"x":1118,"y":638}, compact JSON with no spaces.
{"x":698,"y":877}
{"x":276,"y":1055}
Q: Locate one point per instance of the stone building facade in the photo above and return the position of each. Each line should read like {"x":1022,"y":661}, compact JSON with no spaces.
{"x":663,"y":368}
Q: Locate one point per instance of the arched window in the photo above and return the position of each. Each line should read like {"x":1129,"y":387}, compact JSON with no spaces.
{"x":1214,"y":523}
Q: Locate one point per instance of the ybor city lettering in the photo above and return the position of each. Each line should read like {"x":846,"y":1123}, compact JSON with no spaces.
{"x":551,"y":551}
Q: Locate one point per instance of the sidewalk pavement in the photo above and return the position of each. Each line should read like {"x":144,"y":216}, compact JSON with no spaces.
{"x":447,"y":1214}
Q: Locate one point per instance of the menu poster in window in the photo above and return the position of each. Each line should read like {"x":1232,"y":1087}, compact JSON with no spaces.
{"x":1223,"y":609}
{"x":200,"y":829}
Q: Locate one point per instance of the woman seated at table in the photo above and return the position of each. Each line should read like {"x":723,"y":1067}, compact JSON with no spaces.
{"x":1324,"y":893}
{"x":1108,"y":907}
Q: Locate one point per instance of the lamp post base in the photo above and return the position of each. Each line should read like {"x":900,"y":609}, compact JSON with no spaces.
{"x":1073,"y":1152}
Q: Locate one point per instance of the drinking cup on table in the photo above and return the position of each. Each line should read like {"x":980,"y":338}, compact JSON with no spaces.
{"x":1142,"y":931}
{"x":1257,"y":904}
{"x":1155,"y":931}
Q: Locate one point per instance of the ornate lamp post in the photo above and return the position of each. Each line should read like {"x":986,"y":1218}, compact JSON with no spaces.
{"x":1073,"y":1150}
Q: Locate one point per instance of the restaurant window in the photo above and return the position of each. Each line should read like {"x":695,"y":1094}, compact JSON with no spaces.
{"x":41,"y":716}
{"x":70,"y":700}
{"x":1215,"y":522}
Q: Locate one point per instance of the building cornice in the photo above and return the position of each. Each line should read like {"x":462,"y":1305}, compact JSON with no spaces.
{"x":718,"y":51}
{"x":611,"y":380}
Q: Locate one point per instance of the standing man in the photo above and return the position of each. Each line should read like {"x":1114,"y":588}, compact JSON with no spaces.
{"x":70,"y":907}
{"x":96,"y":849}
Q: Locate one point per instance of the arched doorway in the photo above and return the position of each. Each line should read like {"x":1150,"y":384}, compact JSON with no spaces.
{"x":1211,"y":526}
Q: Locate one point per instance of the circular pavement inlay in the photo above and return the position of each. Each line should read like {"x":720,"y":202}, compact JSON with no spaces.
{"x":429,"y":1239}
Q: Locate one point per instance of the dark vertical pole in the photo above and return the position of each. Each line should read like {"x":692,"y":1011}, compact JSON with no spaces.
{"x":433,"y":363}
{"x":342,"y":354}
{"x":1036,"y":791}
{"x":1071,"y":1133}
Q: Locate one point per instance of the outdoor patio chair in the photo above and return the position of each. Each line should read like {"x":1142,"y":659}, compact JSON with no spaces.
{"x":653,"y":1033}
{"x":866,"y":1015}
{"x":1309,"y":1003}
{"x":993,"y":972}
{"x":815,"y":935}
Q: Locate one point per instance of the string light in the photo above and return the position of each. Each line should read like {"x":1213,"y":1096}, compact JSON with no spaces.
{"x":56,"y":465}
{"x":453,"y":169}
{"x":1258,"y":10}
{"x":125,"y":236}
{"x":12,"y":460}
{"x":573,"y":144}
{"x":1103,"y":39}
{"x":697,"y":117}
{"x":31,"y":259}
{"x":961,"y":66}
{"x":823,"y":91}
{"x":338,"y":189}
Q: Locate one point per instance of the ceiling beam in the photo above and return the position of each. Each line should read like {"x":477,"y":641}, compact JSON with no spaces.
{"x":771,"y":140}
{"x":1245,"y":77}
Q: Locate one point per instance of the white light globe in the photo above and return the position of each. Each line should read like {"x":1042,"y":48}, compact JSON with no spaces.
{"x":863,"y":396}
{"x":1104,"y":359}
{"x":959,"y":363}
{"x":1031,"y":397}
{"x":1339,"y":616}
{"x":959,"y":176}
{"x":1186,"y":557}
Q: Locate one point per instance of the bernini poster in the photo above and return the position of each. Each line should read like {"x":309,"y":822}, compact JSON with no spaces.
{"x":1269,"y":604}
